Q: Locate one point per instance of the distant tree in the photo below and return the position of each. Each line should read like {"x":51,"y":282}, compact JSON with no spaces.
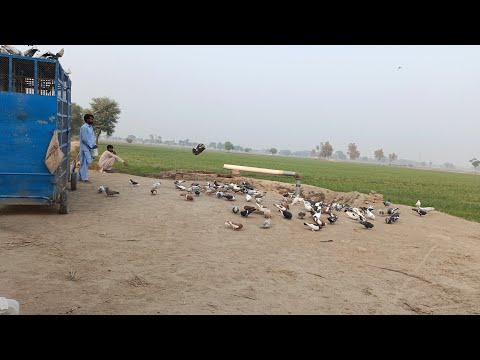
{"x":212,"y":145}
{"x":238,"y":148}
{"x":285,"y":152}
{"x":392,"y":157}
{"x":449,"y":165}
{"x":247,"y":150}
{"x":220,"y":146}
{"x":379,"y":154}
{"x":106,"y":112}
{"x":76,"y":119}
{"x":423,"y":164}
{"x":352,"y":152}
{"x":339,"y":155}
{"x":228,"y":146}
{"x":475,"y":162}
{"x":326,"y":150}
{"x":158,"y":139}
{"x":364,"y":158}
{"x":313,"y":153}
{"x":130,"y":138}
{"x":273,"y":151}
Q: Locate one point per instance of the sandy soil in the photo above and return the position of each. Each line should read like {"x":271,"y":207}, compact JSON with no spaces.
{"x":141,"y":254}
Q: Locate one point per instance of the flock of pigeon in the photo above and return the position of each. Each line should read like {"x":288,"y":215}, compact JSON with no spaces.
{"x":32,"y":52}
{"x":320,"y":211}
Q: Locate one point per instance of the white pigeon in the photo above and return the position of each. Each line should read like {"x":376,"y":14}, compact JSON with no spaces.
{"x":418,"y":204}
{"x":307,"y":205}
{"x":316,"y":216}
{"x":156,"y":185}
{"x":313,"y":227}
{"x":180,"y":187}
{"x":101,"y":189}
{"x":266,"y":224}
{"x":296,"y":199}
{"x":280,"y":207}
{"x":258,"y":200}
{"x":248,"y":198}
{"x":369,"y":214}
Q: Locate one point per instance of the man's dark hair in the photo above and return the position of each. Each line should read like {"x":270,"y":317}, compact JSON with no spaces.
{"x":88,"y":116}
{"x":109,"y":147}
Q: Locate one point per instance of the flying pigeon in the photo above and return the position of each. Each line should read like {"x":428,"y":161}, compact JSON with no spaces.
{"x":235,"y":209}
{"x":313,"y":227}
{"x":399,"y":68}
{"x":133,"y":183}
{"x":301,"y":215}
{"x":31,"y":52}
{"x":266,"y":224}
{"x":418,"y":204}
{"x":110,"y":192}
{"x":198,"y":150}
{"x":153,"y":191}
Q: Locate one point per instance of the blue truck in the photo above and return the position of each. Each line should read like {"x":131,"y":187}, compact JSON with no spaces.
{"x":35,"y":102}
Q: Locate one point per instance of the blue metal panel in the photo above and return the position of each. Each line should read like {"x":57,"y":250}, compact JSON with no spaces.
{"x":27,"y":123}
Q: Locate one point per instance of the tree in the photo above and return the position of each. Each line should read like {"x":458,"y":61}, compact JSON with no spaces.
{"x":76,"y":119}
{"x":273,"y":151}
{"x":379,"y":154}
{"x":326,"y":150}
{"x":475,"y":163}
{"x":219,"y":146}
{"x":247,"y":150}
{"x":449,"y":165}
{"x":285,"y":152}
{"x":106,"y":112}
{"x":212,"y":145}
{"x":130,"y":138}
{"x":238,"y":148}
{"x":352,"y":152}
{"x":339,"y":155}
{"x":228,"y":146}
{"x":393,"y":157}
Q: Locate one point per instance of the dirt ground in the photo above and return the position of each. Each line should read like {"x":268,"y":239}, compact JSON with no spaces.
{"x":141,"y":254}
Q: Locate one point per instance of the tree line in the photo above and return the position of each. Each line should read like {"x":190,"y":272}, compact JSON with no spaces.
{"x":325,"y":151}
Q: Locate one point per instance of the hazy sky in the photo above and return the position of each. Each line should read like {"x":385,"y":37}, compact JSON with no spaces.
{"x":291,"y":97}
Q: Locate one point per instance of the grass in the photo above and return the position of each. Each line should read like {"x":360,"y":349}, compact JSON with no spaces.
{"x":456,"y":194}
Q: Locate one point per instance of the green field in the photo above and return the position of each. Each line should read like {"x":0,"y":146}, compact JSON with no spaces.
{"x":453,"y":193}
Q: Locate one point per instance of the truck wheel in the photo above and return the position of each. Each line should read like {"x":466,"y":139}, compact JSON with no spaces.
{"x":64,"y":203}
{"x":74,"y":181}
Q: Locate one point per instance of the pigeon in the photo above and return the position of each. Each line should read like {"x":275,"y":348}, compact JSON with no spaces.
{"x":296,"y":199}
{"x":420,"y":211}
{"x":387,"y":203}
{"x":390,"y":211}
{"x":280,"y":207}
{"x":110,"y":192}
{"x":229,"y":197}
{"x":178,"y":182}
{"x":418,"y":204}
{"x":245,"y":213}
{"x":286,"y":214}
{"x":266,"y":224}
{"x":198,"y":149}
{"x":219,"y":194}
{"x":369,"y":214}
{"x":258,"y":200}
{"x":332,"y":218}
{"x":250,"y":209}
{"x":368,"y":225}
{"x":234,"y":225}
{"x":235,"y":209}
{"x":399,"y":68}
{"x":316,"y":217}
{"x":133,"y":183}
{"x":301,"y":215}
{"x":197,"y":192}
{"x":101,"y":189}
{"x":248,"y":198}
{"x":31,"y":52}
{"x":391,"y":219}
{"x":313,"y":227}
{"x":156,"y":185}
{"x":188,"y":197}
{"x":267,"y":214}
{"x":153,"y":191}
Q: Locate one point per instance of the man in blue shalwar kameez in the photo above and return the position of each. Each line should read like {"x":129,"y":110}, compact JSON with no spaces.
{"x":87,"y":143}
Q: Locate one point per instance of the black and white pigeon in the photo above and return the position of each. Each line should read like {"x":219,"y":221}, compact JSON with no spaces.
{"x":286,"y":214}
{"x":235,"y":209}
{"x":313,"y":227}
{"x":266,"y":224}
{"x":101,"y":189}
{"x":198,"y":149}
{"x":245,"y":213}
{"x":391,"y":219}
{"x":134,"y":183}
{"x":390,"y":211}
{"x":332,"y":218}
{"x":229,"y":197}
{"x":154,"y":191}
{"x":31,"y":52}
{"x":197,"y":192}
